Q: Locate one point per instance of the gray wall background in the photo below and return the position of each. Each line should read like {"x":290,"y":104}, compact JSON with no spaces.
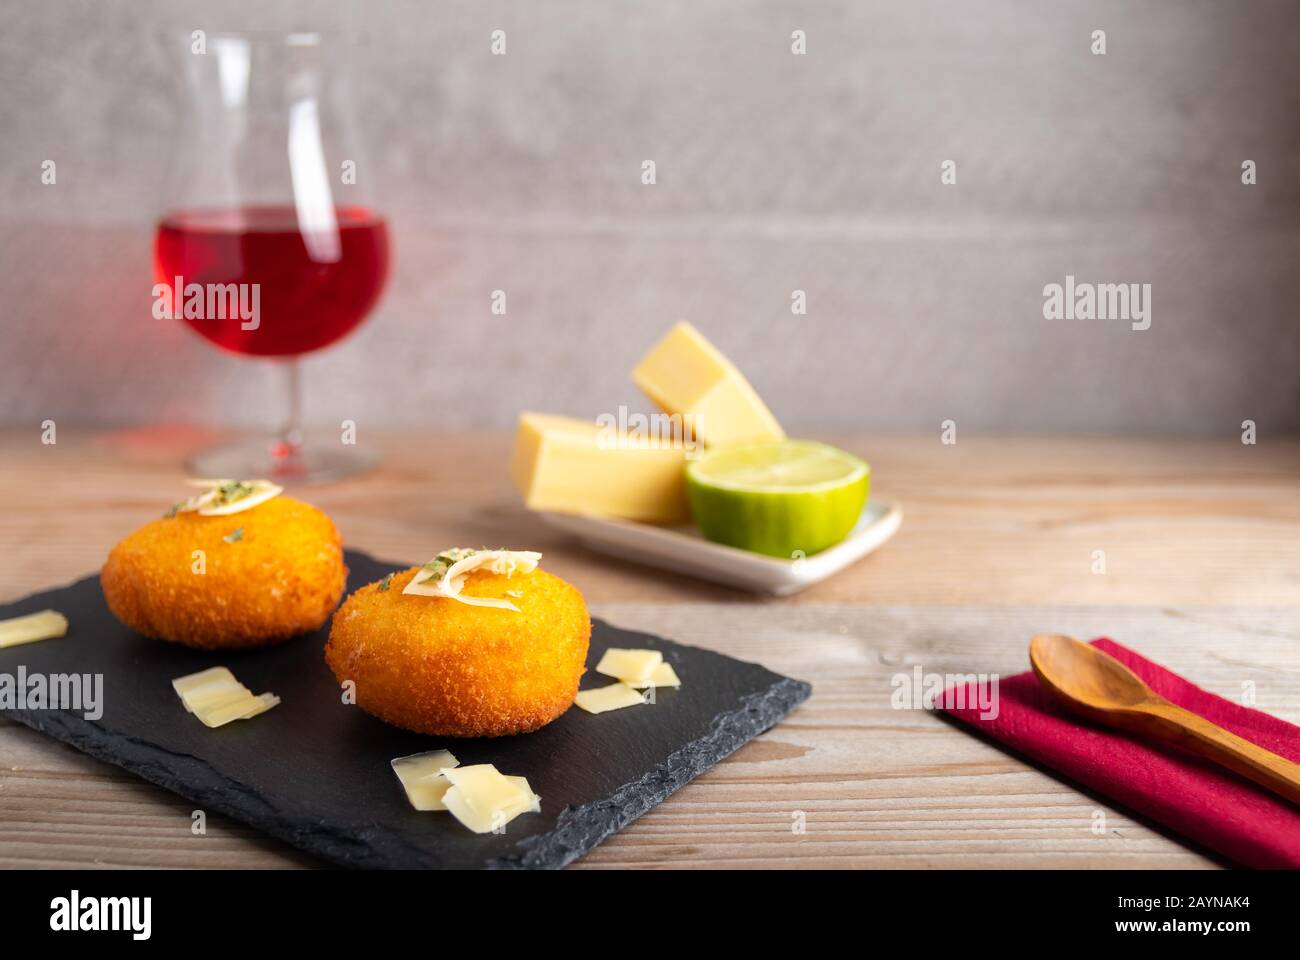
{"x":775,"y":172}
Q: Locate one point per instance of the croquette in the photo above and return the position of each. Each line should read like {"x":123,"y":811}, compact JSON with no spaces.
{"x":265,"y":574}
{"x":437,"y":666}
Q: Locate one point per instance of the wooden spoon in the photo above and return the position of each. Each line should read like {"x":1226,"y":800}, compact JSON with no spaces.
{"x":1095,"y":685}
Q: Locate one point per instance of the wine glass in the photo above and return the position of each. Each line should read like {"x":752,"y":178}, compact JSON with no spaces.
{"x":268,"y":248}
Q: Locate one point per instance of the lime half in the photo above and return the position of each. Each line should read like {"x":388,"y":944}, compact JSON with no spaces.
{"x":784,"y":498}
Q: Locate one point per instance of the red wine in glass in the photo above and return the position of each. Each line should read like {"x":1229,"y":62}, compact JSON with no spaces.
{"x":270,"y":204}
{"x":306,"y":301}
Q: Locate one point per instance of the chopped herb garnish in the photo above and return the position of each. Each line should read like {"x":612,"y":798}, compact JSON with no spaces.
{"x":234,"y":535}
{"x":437,"y":567}
{"x":225,"y":497}
{"x":383,"y":584}
{"x":434,"y":578}
{"x":235,"y":490}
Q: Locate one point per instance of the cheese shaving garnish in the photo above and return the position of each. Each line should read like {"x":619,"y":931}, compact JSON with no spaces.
{"x":479,"y":796}
{"x":638,"y":668}
{"x":484,"y":800}
{"x":217,"y":698}
{"x":190,"y":682}
{"x":221,"y":498}
{"x":630,"y":666}
{"x":35,"y":626}
{"x":445,"y":574}
{"x":663,"y":676}
{"x":423,"y":779}
{"x":602,"y":699}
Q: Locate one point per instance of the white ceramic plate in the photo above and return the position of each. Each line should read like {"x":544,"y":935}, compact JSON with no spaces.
{"x":683,"y":550}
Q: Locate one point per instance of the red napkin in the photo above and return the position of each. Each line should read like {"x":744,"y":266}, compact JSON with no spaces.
{"x":1194,"y":797}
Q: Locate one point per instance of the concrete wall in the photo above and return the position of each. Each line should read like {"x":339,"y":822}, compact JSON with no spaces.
{"x":775,"y":172}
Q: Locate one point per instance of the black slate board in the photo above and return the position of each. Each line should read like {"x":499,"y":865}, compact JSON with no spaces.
{"x":314,"y":771}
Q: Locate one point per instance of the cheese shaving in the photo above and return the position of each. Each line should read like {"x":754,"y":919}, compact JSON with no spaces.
{"x":224,"y":497}
{"x":633,"y":667}
{"x":479,"y":796}
{"x":445,"y":574}
{"x":484,"y":800}
{"x":34,"y":627}
{"x":217,"y":698}
{"x":616,"y":696}
{"x":422,"y":777}
{"x":663,"y":676}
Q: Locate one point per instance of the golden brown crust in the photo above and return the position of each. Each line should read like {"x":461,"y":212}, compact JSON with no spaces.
{"x":281,"y":578}
{"x":438,"y":666}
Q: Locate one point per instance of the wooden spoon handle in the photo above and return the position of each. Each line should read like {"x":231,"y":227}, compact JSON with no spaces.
{"x":1210,"y":740}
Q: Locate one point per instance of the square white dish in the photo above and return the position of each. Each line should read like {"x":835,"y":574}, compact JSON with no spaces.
{"x":683,"y":550}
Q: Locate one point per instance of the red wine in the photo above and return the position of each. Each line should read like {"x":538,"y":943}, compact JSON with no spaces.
{"x":312,"y":290}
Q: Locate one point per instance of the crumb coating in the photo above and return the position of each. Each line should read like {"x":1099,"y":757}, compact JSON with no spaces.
{"x":437,"y":666}
{"x":279,"y":575}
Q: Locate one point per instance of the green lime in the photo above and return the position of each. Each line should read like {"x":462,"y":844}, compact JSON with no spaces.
{"x":785,"y":498}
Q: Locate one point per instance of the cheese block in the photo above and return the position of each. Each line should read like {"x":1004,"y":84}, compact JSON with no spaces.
{"x":574,"y":466}
{"x":685,"y":374}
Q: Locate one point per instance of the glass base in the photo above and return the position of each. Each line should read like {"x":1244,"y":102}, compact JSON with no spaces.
{"x":270,"y":458}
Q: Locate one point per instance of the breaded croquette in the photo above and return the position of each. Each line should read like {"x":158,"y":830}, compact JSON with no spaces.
{"x":266,"y":574}
{"x":438,"y":666}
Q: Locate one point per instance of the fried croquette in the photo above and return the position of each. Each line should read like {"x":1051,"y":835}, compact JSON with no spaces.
{"x":264,"y":575}
{"x":438,"y":666}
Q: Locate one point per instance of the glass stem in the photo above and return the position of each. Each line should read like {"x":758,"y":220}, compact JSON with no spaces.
{"x":288,"y":446}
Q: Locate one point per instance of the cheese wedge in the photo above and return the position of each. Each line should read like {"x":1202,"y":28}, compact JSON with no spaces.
{"x":571,"y":466}
{"x":685,"y":374}
{"x":603,"y":699}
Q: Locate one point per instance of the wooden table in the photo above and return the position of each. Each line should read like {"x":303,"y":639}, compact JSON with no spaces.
{"x":1201,"y":544}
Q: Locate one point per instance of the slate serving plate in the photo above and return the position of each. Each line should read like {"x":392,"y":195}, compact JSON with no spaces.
{"x":314,"y":771}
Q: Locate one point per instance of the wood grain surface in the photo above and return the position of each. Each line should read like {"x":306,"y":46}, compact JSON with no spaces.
{"x":1202,"y":550}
